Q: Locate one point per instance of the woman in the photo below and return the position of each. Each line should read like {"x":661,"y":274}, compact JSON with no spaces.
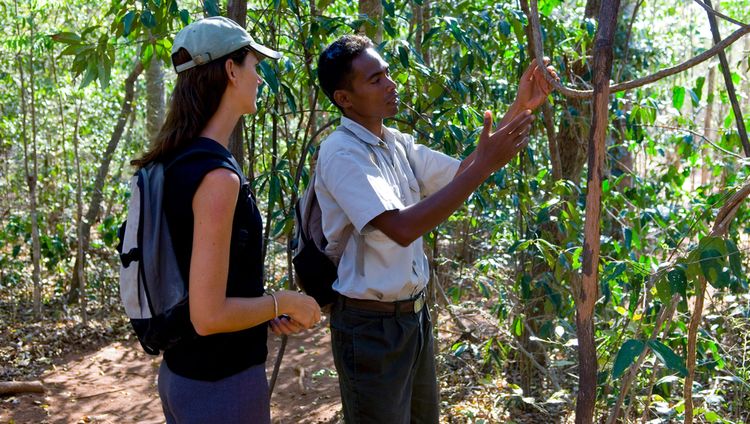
{"x":216,"y":229}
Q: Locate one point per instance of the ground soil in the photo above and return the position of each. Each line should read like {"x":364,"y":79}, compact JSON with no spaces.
{"x":116,"y":383}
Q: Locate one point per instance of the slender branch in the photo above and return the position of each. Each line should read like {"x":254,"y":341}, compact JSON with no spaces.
{"x":731,"y":93}
{"x":580,"y":94}
{"x":695,"y":133}
{"x":715,"y":12}
{"x":665,"y":316}
{"x":723,"y":218}
{"x":627,"y":39}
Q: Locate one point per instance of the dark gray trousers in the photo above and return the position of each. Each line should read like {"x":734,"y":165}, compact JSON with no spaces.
{"x":237,"y":399}
{"x":386,"y":366}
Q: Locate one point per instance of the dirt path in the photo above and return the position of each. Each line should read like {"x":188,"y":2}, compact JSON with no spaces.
{"x":117,"y":384}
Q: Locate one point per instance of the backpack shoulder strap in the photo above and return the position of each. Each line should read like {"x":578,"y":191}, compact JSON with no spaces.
{"x":228,"y":162}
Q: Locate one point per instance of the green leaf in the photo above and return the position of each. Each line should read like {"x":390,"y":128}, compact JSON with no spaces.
{"x":668,"y":357}
{"x":67,"y":38}
{"x":694,"y":98}
{"x":185,"y":16}
{"x":663,"y":290}
{"x":274,"y":194}
{"x":211,"y":7}
{"x":699,"y":86}
{"x":678,"y":97}
{"x":127,"y":22}
{"x":147,"y":19}
{"x":546,"y":6}
{"x":269,"y":76}
{"x":735,"y":261}
{"x":504,"y":27}
{"x":403,"y":56}
{"x":712,"y":266}
{"x":289,"y":98}
{"x":677,"y":281}
{"x":630,"y":350}
{"x":736,"y":78}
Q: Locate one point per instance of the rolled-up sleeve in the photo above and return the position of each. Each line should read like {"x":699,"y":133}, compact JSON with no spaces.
{"x":358,"y":187}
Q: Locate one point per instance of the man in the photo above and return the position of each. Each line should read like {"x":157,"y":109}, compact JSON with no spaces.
{"x":392,"y":190}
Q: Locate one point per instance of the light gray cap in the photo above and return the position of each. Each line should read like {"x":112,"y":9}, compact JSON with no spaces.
{"x":211,"y":38}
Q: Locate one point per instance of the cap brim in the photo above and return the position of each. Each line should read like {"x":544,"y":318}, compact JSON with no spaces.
{"x":265,"y":51}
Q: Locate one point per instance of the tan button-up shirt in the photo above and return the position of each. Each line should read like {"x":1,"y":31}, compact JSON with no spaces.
{"x":360,"y":176}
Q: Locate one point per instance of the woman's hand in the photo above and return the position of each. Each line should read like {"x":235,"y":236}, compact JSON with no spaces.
{"x":302,"y":309}
{"x":284,"y":325}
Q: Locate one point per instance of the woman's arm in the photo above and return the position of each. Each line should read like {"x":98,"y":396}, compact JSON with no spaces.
{"x":210,"y":310}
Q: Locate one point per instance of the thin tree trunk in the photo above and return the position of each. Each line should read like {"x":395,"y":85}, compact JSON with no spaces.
{"x":547,"y":111}
{"x":237,"y":11}
{"x":95,"y":205}
{"x":79,"y":269}
{"x":30,"y":166}
{"x":707,"y":122}
{"x":721,"y":225}
{"x":587,"y":293}
{"x":155,"y":102}
{"x":728,"y":81}
{"x":374,"y":11}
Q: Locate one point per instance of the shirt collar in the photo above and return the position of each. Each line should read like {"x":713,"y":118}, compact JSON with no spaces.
{"x":364,"y":134}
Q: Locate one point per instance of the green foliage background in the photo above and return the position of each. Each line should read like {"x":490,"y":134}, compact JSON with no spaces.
{"x":515,"y":245}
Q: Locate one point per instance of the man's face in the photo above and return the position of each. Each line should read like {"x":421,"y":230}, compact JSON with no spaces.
{"x":372,"y":93}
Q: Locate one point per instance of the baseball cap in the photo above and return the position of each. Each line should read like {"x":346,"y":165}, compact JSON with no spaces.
{"x":211,"y":38}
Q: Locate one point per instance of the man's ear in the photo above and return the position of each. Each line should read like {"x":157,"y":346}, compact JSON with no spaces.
{"x":342,"y":98}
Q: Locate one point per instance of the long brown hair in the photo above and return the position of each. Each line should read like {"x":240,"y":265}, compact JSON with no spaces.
{"x":194,"y":100}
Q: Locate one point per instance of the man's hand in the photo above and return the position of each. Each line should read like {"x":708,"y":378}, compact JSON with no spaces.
{"x":499,"y":147}
{"x":533,"y":88}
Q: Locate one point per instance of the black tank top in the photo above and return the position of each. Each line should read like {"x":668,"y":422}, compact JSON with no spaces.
{"x":216,"y":356}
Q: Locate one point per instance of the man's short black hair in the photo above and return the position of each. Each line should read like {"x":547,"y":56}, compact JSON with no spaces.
{"x":335,"y":63}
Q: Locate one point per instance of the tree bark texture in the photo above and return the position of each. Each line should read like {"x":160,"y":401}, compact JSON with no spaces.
{"x":96,"y":198}
{"x":708,"y":131}
{"x":155,"y":101}
{"x":588,"y":290}
{"x":11,"y":387}
{"x":237,"y":11}
{"x":374,"y":11}
{"x":728,"y":81}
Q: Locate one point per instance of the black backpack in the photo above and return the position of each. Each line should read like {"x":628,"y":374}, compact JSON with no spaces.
{"x":316,"y":271}
{"x":152,"y":288}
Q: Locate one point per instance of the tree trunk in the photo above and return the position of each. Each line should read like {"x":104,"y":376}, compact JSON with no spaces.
{"x":547,"y":111}
{"x":95,"y":205}
{"x":237,"y":11}
{"x":80,"y":252}
{"x":708,"y":123}
{"x":587,"y":293}
{"x":155,"y":102}
{"x":30,"y":167}
{"x":374,"y":11}
{"x":728,"y":81}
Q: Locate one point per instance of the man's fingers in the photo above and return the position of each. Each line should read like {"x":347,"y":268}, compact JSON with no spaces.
{"x":487,"y":125}
{"x":523,"y":119}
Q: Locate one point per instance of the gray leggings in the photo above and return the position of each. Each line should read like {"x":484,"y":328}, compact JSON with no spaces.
{"x":240,"y":398}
